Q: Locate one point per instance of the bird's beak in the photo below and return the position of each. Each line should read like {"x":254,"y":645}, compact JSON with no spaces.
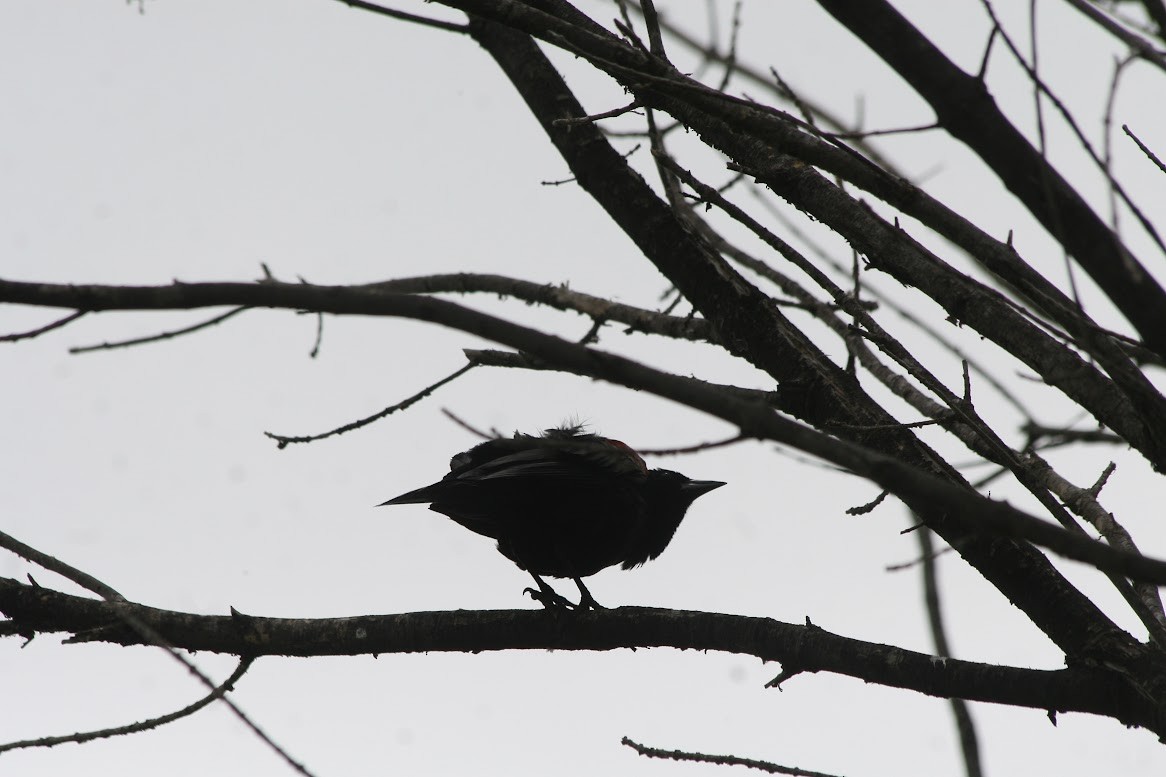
{"x":698,"y":487}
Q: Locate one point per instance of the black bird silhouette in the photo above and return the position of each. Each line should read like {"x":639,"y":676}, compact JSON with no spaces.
{"x":564,"y":504}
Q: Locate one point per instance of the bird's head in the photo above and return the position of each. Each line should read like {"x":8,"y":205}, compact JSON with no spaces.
{"x":667,"y":497}
{"x":670,"y":493}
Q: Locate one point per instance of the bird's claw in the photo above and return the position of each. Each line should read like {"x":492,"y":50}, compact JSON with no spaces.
{"x":550,"y":599}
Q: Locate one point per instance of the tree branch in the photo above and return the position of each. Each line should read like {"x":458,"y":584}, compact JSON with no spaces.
{"x":758,"y":139}
{"x":748,"y":324}
{"x":975,"y":525}
{"x":555,"y":296}
{"x":145,"y":725}
{"x":966,"y":109}
{"x":809,"y":648}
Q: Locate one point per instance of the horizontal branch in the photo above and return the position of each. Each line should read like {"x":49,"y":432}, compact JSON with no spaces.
{"x":798,"y":648}
{"x":493,"y":358}
{"x":556,"y":296}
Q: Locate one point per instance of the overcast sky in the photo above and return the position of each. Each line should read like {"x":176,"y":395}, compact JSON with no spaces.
{"x":200,"y":140}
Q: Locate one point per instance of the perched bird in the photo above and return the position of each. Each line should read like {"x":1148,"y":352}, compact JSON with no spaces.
{"x":564,"y":504}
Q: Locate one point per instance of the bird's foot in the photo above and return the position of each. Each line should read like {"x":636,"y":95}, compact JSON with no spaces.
{"x":547,"y":596}
{"x":553,"y":600}
{"x":550,"y":599}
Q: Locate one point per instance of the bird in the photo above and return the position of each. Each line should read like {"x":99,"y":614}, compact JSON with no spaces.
{"x":564,"y":504}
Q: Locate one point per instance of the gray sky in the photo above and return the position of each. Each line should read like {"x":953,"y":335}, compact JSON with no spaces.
{"x":199,"y":140}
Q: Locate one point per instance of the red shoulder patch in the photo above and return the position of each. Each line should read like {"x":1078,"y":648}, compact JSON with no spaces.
{"x":630,"y":452}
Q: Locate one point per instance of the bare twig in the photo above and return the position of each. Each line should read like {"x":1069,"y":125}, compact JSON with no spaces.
{"x":83,"y":579}
{"x":704,"y":446}
{"x":494,"y":434}
{"x":319,"y":336}
{"x":1055,"y":437}
{"x":161,"y":335}
{"x":599,"y":116}
{"x":904,"y":565}
{"x":965,"y":727}
{"x":423,"y":21}
{"x":283,"y":441}
{"x":721,"y":760}
{"x":860,"y":134}
{"x":1107,"y":136}
{"x":869,"y":506}
{"x":41,"y":330}
{"x":1040,"y":87}
{"x":1145,"y":149}
{"x":144,"y":725}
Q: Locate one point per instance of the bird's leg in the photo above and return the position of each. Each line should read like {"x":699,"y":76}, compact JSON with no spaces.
{"x":586,"y":600}
{"x":547,"y":596}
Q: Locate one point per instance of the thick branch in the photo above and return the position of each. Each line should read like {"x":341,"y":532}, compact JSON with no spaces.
{"x":804,"y":648}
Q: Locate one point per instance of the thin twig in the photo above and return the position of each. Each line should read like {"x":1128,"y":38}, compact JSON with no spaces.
{"x":46,"y":328}
{"x":161,"y":335}
{"x":424,"y":21}
{"x":1040,"y":86}
{"x":965,"y":727}
{"x":1055,"y":437}
{"x":704,"y":446}
{"x":83,"y":579}
{"x":592,"y":118}
{"x":1145,"y":149}
{"x":145,"y":725}
{"x":494,"y":434}
{"x":720,"y":760}
{"x":858,"y":135}
{"x":903,"y":565}
{"x":283,"y":441}
{"x":319,"y":336}
{"x":886,"y":427}
{"x":1107,"y":137}
{"x":730,"y":60}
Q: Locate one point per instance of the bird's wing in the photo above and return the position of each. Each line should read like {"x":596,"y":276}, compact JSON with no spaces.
{"x":519,"y":464}
{"x":553,"y":461}
{"x":532,"y":463}
{"x":565,"y":461}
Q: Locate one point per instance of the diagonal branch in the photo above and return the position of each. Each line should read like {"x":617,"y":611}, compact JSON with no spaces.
{"x":754,"y":135}
{"x":812,"y":387}
{"x":966,"y":109}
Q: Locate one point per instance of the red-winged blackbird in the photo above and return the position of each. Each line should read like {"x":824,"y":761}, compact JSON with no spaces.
{"x":566,"y":504}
